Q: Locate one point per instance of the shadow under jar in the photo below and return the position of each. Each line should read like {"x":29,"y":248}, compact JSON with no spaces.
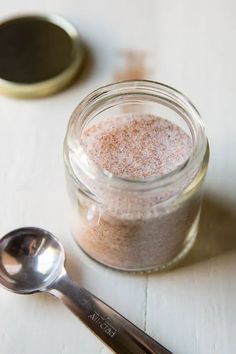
{"x":136,"y":156}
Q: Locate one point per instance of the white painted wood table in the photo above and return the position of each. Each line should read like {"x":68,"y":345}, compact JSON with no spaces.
{"x":190,"y":45}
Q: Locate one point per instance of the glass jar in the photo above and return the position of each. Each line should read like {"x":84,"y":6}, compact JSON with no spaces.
{"x":139,"y":224}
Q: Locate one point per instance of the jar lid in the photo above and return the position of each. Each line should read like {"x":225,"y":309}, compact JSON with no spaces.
{"x":39,"y":55}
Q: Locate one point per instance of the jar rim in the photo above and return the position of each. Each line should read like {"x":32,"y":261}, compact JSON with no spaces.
{"x":170,"y":97}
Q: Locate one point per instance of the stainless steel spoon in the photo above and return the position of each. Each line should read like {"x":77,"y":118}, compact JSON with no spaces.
{"x":32,"y":260}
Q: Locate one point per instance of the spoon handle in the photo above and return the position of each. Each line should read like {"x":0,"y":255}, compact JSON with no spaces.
{"x":114,"y":330}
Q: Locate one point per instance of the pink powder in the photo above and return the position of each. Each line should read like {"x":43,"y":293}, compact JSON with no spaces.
{"x":134,"y":232}
{"x":137,"y":146}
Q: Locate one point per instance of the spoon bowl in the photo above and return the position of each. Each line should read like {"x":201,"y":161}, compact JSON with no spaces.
{"x":30,"y":259}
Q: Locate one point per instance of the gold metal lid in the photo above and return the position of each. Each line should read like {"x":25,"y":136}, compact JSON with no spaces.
{"x":39,"y":55}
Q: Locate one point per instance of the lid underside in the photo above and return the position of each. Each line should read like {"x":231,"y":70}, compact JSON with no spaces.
{"x":39,"y":55}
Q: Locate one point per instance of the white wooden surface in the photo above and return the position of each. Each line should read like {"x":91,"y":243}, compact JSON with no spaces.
{"x":191,"y":310}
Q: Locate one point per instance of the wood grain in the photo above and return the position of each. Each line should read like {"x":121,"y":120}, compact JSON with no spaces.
{"x":189,"y":45}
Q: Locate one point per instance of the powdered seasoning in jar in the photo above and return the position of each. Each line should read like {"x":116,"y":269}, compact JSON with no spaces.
{"x":136,"y":156}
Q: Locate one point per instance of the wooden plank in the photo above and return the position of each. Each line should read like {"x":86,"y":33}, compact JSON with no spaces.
{"x":189,"y":45}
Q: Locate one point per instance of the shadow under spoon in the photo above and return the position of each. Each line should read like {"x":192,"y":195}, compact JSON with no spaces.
{"x":32,"y":260}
